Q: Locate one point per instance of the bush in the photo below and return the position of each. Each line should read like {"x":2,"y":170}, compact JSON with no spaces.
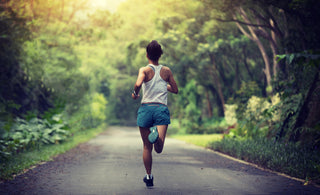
{"x":214,"y":125}
{"x":259,"y":119}
{"x":25,"y":134}
{"x":230,"y":114}
{"x":288,"y":158}
{"x":207,"y":126}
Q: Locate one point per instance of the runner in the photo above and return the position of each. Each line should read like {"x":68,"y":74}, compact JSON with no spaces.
{"x":153,"y":115}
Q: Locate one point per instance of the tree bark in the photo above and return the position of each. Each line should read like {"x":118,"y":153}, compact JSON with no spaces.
{"x":216,"y":80}
{"x":272,"y":39}
{"x":219,"y":104}
{"x":304,"y":113}
{"x":209,"y":106}
{"x":255,"y":38}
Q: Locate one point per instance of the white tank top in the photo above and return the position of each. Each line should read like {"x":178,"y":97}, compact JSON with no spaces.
{"x":155,"y":90}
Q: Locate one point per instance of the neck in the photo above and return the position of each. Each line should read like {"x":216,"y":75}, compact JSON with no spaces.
{"x":156,"y":63}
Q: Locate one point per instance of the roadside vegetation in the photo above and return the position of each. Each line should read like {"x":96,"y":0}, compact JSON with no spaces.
{"x":247,"y":70}
{"x":289,"y":158}
{"x":22,"y":161}
{"x":202,"y":140}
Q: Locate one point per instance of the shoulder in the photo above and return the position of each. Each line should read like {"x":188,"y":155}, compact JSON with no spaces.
{"x":166,"y":69}
{"x":165,"y":73}
{"x":144,"y":69}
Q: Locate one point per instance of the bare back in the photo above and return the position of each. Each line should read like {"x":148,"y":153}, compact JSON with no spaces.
{"x":164,"y":73}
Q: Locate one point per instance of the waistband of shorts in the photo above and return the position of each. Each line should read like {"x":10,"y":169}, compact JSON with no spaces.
{"x":153,"y":104}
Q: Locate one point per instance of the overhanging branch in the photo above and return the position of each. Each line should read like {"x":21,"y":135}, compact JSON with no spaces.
{"x":241,"y":22}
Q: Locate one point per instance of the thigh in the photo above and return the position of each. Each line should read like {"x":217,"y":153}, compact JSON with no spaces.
{"x":144,"y":132}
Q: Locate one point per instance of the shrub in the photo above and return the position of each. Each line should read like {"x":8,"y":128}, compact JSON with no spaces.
{"x":259,"y":118}
{"x":230,"y":114}
{"x":98,"y":109}
{"x":25,"y":134}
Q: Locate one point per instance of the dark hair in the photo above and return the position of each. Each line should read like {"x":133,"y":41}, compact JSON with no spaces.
{"x":154,"y":50}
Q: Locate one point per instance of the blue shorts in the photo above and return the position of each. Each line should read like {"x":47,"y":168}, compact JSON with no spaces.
{"x":153,"y":114}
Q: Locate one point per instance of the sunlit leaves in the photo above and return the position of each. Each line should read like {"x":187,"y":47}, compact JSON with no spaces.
{"x":98,"y":107}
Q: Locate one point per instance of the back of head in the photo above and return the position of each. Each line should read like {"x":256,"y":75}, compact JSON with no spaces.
{"x":154,"y":50}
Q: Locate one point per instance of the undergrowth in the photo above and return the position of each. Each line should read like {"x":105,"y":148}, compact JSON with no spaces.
{"x":288,"y":158}
{"x":17,"y":163}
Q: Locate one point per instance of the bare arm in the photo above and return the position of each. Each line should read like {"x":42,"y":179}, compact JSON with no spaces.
{"x":172,"y":86}
{"x":138,"y":84}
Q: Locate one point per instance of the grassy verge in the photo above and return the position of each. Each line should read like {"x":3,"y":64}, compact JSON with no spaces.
{"x":22,"y":161}
{"x":199,"y":140}
{"x":287,"y":158}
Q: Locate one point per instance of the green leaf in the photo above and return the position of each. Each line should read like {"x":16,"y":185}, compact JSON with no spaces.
{"x":291,"y":58}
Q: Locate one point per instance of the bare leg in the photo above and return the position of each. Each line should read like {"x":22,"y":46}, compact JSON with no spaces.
{"x":162,"y":130}
{"x":147,"y":149}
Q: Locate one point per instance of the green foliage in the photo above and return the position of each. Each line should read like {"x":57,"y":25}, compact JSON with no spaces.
{"x":73,"y":55}
{"x":98,"y":107}
{"x":19,"y":93}
{"x":214,"y":126}
{"x":261,"y":118}
{"x":230,"y":114}
{"x":190,"y":117}
{"x":246,"y":91}
{"x":284,"y":157}
{"x":18,"y":163}
{"x":24,"y":135}
{"x":199,"y":140}
{"x":122,"y":107}
{"x":296,"y":91}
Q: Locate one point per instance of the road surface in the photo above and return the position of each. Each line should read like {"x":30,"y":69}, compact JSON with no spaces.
{"x":112,"y":163}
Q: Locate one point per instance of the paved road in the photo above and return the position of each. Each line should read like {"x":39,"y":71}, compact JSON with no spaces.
{"x":112,"y":164}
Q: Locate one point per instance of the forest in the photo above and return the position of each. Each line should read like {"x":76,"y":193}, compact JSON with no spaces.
{"x":246,"y":68}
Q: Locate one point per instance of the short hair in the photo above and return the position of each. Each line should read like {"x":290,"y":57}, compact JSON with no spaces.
{"x":154,"y":50}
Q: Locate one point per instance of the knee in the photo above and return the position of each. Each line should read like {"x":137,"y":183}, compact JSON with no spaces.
{"x":147,"y":147}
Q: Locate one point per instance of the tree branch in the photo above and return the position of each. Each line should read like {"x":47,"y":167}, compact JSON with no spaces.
{"x":241,"y":22}
{"x":243,"y":31}
{"x":274,"y":24}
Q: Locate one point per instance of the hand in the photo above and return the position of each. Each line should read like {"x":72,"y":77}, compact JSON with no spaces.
{"x":135,"y":96}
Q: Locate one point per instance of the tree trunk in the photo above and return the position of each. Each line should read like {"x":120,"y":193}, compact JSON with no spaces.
{"x":309,"y":114}
{"x":255,"y":38}
{"x":216,"y":80}
{"x":219,"y":104}
{"x":272,"y":39}
{"x":238,"y":80}
{"x":274,"y":48}
{"x":209,"y":106}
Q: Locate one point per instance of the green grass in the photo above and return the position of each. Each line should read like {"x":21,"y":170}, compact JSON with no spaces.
{"x":199,"y":140}
{"x":288,"y":158}
{"x":22,"y":161}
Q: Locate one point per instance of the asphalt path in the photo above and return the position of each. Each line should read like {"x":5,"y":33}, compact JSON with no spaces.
{"x":112,"y":163}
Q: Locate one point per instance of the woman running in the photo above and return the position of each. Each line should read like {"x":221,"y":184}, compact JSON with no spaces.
{"x":153,"y":115}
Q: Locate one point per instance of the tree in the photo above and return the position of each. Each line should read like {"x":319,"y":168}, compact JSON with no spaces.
{"x":19,"y":93}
